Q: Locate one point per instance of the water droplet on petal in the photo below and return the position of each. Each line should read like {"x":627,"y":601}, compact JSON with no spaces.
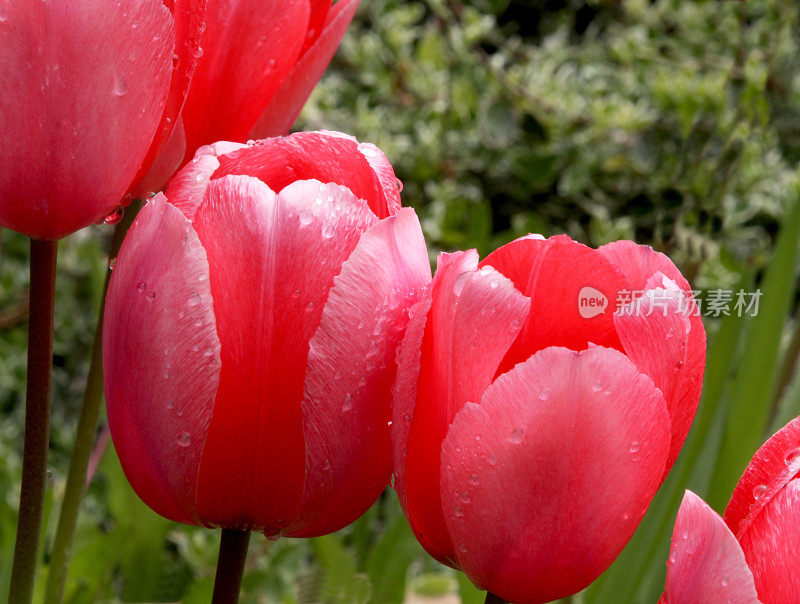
{"x":724,"y":581}
{"x":474,"y":479}
{"x":112,"y":263}
{"x":309,"y":307}
{"x":150,"y":297}
{"x":458,"y":512}
{"x":170,"y":404}
{"x":184,"y":439}
{"x":514,"y":325}
{"x":141,"y":287}
{"x":597,"y":386}
{"x":464,"y":497}
{"x":491,"y":460}
{"x":399,"y":184}
{"x":792,"y":457}
{"x":115,"y":216}
{"x":347,"y":404}
{"x":494,"y":283}
{"x":544,"y":394}
{"x":198,"y":177}
{"x":516,"y":435}
{"x":685,"y":535}
{"x":634,"y":448}
{"x":759,"y":491}
{"x":306,"y":217}
{"x":194,"y":299}
{"x":199,"y":52}
{"x":120,"y":86}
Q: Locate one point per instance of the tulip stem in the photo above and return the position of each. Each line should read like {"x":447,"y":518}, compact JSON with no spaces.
{"x":493,"y":599}
{"x":84,"y":440}
{"x":37,"y":419}
{"x":230,"y":566}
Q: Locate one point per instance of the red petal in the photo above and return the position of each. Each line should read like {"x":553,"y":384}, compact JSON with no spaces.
{"x":316,"y":22}
{"x":189,"y":24}
{"x":324,"y":156}
{"x":474,"y":317}
{"x":161,"y":359}
{"x":706,"y":563}
{"x":771,"y":546}
{"x":272,"y":262}
{"x":89,"y":87}
{"x":772,"y":467}
{"x":654,"y":330}
{"x":351,"y":367}
{"x":188,"y":189}
{"x":165,"y":165}
{"x":249,"y":47}
{"x":279,"y":115}
{"x":545,"y":481}
{"x":555,"y":273}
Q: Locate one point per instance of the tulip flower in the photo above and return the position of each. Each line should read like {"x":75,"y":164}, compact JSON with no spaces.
{"x":260,"y":61}
{"x":250,"y":335}
{"x":753,"y":555}
{"x":533,"y":422}
{"x":89,"y":93}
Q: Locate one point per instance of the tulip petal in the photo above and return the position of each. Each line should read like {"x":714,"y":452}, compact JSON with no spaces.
{"x":474,"y":318}
{"x":281,"y":112}
{"x":249,"y":47}
{"x":545,"y":481}
{"x":706,"y":563}
{"x":159,"y":328}
{"x":645,"y":269}
{"x":771,"y":546}
{"x":188,"y":189}
{"x":165,"y":165}
{"x":654,"y":331}
{"x":772,"y":467}
{"x":161,"y":162}
{"x":351,"y":367}
{"x":316,"y":22}
{"x":559,"y":274}
{"x":272,"y":262}
{"x":77,"y":116}
{"x":324,"y":156}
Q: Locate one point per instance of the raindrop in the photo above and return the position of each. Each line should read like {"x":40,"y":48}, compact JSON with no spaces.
{"x":112,"y":263}
{"x":473,"y":479}
{"x":462,"y":548}
{"x":458,"y":512}
{"x":759,"y":491}
{"x":679,"y":365}
{"x":114,"y":217}
{"x":491,"y":460}
{"x":170,"y":404}
{"x":202,"y":277}
{"x":634,"y":448}
{"x":337,"y":376}
{"x":198,"y":177}
{"x":597,"y":386}
{"x":120,"y":86}
{"x":326,"y":466}
{"x":150,"y":297}
{"x":198,"y":322}
{"x":792,"y":457}
{"x":199,"y":52}
{"x":516,"y":435}
{"x":399,"y":184}
{"x":362,"y":382}
{"x":194,"y":299}
{"x":407,"y":418}
{"x":347,"y":405}
{"x":309,"y":307}
{"x":685,"y":535}
{"x":544,"y":394}
{"x":327,"y":231}
{"x":181,"y":314}
{"x":494,"y":283}
{"x":184,"y":439}
{"x":141,"y":287}
{"x":514,"y":325}
{"x":464,"y":497}
{"x":306,"y":217}
{"x":724,"y":581}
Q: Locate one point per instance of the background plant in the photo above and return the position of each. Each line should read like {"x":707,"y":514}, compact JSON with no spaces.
{"x":675,"y":123}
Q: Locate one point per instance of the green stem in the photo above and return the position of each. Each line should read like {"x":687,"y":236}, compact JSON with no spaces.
{"x":84,"y":441}
{"x":493,"y":599}
{"x":230,"y":566}
{"x":37,"y":419}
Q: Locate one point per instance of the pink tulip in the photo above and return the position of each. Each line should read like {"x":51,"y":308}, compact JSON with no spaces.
{"x":89,"y":93}
{"x":532,"y":427}
{"x":250,"y":334}
{"x":260,"y":61}
{"x":754,"y":554}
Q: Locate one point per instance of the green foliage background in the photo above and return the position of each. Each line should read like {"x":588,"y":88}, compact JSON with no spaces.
{"x":675,"y":123}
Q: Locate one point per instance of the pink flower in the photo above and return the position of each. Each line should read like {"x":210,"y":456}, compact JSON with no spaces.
{"x":754,"y":554}
{"x":532,"y":426}
{"x":89,"y":93}
{"x":250,"y":335}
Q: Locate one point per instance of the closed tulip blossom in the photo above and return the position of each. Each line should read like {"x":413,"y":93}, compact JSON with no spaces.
{"x":250,"y":335}
{"x":752,"y":555}
{"x":89,"y":93}
{"x":533,"y":419}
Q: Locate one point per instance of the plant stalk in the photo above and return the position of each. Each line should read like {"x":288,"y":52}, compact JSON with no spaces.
{"x":37,"y":419}
{"x":230,"y":566}
{"x":86,"y":432}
